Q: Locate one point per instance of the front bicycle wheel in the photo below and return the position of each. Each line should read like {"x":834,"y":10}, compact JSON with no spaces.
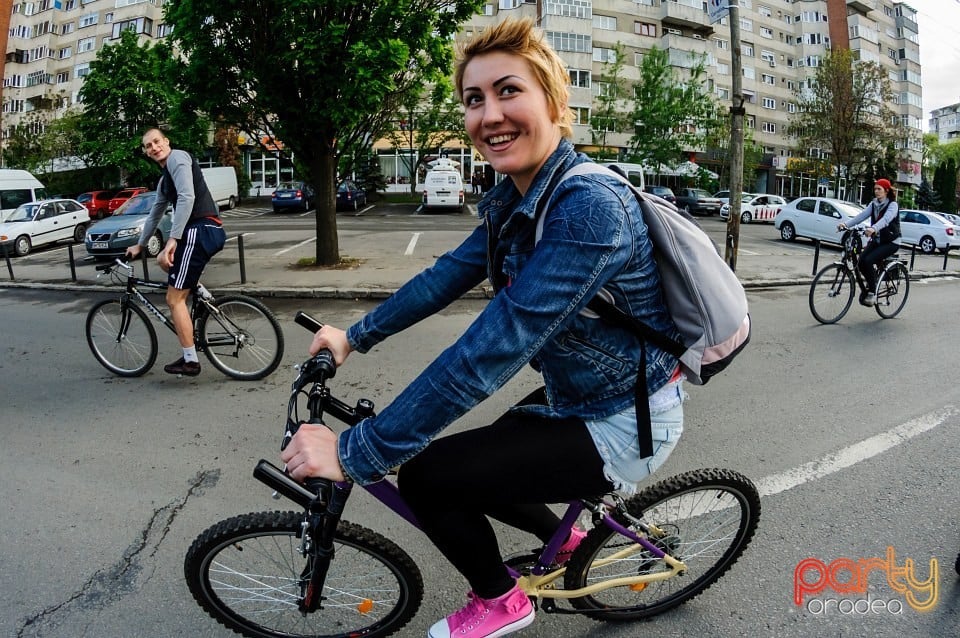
{"x":831,"y":293}
{"x":892,"y":290}
{"x":707,"y":518}
{"x":242,"y":338}
{"x":121,"y":337}
{"x":247,"y":572}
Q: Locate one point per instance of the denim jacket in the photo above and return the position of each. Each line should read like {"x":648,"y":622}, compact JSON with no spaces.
{"x":593,"y":237}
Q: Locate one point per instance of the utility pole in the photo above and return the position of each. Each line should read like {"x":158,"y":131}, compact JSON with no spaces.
{"x":736,"y":140}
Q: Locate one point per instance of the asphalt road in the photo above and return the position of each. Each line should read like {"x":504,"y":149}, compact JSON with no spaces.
{"x":850,"y":430}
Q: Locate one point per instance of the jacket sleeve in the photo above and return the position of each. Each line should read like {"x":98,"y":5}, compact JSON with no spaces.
{"x":586,"y":235}
{"x":180,"y":167}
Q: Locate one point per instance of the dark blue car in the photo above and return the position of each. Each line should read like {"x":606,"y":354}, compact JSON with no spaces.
{"x":350,"y":196}
{"x":295,"y":196}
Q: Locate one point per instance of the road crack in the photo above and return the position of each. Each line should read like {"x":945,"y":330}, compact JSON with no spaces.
{"x":109,"y":585}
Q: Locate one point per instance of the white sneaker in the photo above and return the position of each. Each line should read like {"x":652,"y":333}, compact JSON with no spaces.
{"x":869,"y":299}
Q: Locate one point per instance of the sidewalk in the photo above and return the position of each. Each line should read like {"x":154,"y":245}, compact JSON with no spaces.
{"x":379,"y":270}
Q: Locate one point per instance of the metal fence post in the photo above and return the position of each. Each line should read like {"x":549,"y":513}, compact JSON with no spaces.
{"x":73,"y":266}
{"x":6,"y":256}
{"x":816,"y":256}
{"x":946,"y":253}
{"x":243,"y":264}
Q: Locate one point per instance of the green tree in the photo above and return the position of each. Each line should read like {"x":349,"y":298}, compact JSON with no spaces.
{"x":370,"y":176}
{"x":423,"y":126}
{"x":130,"y":88}
{"x":927,"y":198}
{"x":22,"y":148}
{"x":322,"y":76}
{"x":717,"y":141}
{"x":671,"y":114}
{"x":846,"y":113}
{"x":945,"y":185}
{"x":610,"y":114}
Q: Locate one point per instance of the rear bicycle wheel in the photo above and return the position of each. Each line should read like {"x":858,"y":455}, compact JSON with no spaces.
{"x":121,"y":337}
{"x":247,"y":572}
{"x":242,"y":338}
{"x":831,"y":293}
{"x":893,"y":287}
{"x":708,"y":518}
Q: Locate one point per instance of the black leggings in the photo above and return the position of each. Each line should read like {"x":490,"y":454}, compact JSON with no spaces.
{"x":507,"y":471}
{"x":873,"y":255}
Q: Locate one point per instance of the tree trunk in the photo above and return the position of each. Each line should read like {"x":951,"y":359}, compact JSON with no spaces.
{"x":323,"y":171}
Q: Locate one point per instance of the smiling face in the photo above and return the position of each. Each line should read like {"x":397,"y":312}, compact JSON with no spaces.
{"x":156,"y":146}
{"x":508,"y":117}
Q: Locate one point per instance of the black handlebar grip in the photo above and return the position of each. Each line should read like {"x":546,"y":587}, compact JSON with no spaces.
{"x":308,"y":322}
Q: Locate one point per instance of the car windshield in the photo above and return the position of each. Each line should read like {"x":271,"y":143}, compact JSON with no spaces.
{"x":24,"y":213}
{"x":746,"y":197}
{"x":287,"y":186}
{"x":137,"y":205}
{"x":86,"y":197}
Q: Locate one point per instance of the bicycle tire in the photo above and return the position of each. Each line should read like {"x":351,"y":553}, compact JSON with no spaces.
{"x":698,"y":510}
{"x":893,"y":288}
{"x":259,"y":348}
{"x":247,"y":573}
{"x":121,"y":337}
{"x":831,"y":293}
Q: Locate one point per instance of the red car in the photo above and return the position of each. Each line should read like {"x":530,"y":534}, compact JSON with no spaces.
{"x":123,"y":196}
{"x":97,"y":203}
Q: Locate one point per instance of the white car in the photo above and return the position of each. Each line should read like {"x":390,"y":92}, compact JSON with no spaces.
{"x":44,"y":222}
{"x":815,"y":218}
{"x":756,"y":208}
{"x":928,"y":231}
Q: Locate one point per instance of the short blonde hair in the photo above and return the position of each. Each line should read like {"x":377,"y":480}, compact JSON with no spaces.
{"x":518,"y":36}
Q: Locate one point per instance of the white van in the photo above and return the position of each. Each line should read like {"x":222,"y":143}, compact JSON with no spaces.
{"x":18,"y":187}
{"x":222,"y":182}
{"x":633,"y":172}
{"x":443,"y":187}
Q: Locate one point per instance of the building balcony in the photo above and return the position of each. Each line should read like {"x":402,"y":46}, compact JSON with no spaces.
{"x":686,"y":13}
{"x":862,"y":6}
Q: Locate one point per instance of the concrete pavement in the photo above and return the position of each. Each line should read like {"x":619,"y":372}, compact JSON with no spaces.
{"x":374,"y":270}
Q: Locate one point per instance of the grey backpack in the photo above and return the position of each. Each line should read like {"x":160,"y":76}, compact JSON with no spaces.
{"x":704,"y":297}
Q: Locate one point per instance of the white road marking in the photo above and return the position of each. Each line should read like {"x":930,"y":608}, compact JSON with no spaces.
{"x":853,"y":454}
{"x":286,"y":250}
{"x":412,"y":244}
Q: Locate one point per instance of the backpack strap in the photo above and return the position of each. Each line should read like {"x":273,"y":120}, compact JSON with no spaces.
{"x":615,"y":316}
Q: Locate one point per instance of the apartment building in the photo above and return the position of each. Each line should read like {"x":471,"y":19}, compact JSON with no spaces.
{"x":52,"y":42}
{"x":945,"y":122}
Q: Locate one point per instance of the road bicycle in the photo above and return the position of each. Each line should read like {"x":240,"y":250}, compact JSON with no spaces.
{"x":832,"y":290}
{"x":239,"y":335}
{"x":311,"y":573}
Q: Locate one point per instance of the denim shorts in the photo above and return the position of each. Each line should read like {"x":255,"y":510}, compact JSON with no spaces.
{"x":616,"y":438}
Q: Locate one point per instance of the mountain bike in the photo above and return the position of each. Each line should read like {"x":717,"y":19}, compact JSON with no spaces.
{"x":239,"y":335}
{"x":832,"y":290}
{"x":311,"y":573}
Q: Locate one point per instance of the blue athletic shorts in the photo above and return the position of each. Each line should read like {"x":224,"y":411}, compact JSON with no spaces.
{"x":201,"y":240}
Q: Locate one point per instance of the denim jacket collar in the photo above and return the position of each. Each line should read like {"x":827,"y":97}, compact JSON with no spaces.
{"x":504,"y":200}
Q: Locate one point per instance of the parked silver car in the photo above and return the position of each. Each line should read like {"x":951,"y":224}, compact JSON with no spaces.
{"x":815,"y":218}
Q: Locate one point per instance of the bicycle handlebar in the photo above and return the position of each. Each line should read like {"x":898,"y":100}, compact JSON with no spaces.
{"x":116,"y":262}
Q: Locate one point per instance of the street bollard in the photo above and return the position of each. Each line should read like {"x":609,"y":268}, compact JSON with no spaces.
{"x":946,"y":253}
{"x":913,"y":255}
{"x":73,"y":265}
{"x":816,"y":255}
{"x":6,"y":256}
{"x":243,"y":263}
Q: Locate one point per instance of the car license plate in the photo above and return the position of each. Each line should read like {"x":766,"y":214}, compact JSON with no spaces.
{"x":99,"y":245}
{"x":286,"y":195}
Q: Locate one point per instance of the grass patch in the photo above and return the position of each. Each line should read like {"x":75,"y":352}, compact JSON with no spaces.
{"x":310,"y":263}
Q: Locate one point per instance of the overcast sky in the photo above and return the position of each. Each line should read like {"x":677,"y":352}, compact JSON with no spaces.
{"x":939,"y":23}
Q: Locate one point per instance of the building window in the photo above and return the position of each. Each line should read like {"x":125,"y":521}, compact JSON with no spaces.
{"x":746,"y":48}
{"x":65,"y":53}
{"x":607,"y":23}
{"x":81,"y":70}
{"x":137,"y":25}
{"x":89,"y":20}
{"x":86,"y":44}
{"x":604,"y":55}
{"x":645,"y":28}
{"x":581,"y":114}
{"x":769,"y":103}
{"x":767,"y":79}
{"x":569,"y":8}
{"x":579,"y":78}
{"x":574,"y":42}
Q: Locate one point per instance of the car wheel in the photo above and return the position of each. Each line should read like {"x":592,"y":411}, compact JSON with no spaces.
{"x":356,"y":205}
{"x":154,"y":244}
{"x":232,"y":202}
{"x":746,"y":217}
{"x":788,"y":232}
{"x":927,"y":245}
{"x":78,"y":232}
{"x":22,"y":246}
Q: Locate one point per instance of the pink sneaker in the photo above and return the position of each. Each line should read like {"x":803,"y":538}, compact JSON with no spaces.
{"x":487,"y":618}
{"x":566,"y":550}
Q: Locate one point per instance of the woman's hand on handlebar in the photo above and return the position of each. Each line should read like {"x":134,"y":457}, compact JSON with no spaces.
{"x":841,"y":226}
{"x":312,"y":453}
{"x":334,"y":340}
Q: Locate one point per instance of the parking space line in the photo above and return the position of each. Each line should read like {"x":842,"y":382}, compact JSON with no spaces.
{"x":286,"y":250}
{"x":412,"y":244}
